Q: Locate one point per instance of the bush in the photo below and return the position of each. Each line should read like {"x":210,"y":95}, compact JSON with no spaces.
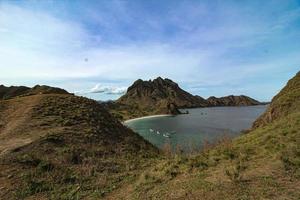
{"x":45,"y":166}
{"x":29,"y":160}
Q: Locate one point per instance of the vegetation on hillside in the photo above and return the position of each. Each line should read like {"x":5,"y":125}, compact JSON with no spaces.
{"x":76,"y":149}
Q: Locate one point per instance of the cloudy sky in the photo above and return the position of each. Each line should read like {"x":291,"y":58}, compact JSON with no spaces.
{"x":98,"y":48}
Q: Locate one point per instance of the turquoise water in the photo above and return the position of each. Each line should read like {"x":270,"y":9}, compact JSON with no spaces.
{"x":190,"y":131}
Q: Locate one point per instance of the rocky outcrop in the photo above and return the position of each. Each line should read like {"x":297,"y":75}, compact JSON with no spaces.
{"x":285,"y":102}
{"x":232,"y":100}
{"x":147,"y":93}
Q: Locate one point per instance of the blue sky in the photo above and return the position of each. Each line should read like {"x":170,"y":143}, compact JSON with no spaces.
{"x":98,"y":48}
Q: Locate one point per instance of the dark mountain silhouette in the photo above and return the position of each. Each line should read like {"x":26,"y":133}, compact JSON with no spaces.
{"x":14,"y":91}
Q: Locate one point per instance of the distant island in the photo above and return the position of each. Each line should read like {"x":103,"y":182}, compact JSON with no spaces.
{"x":163,"y":96}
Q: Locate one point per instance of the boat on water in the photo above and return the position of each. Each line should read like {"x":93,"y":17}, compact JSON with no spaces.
{"x":166,"y":135}
{"x":151,"y":130}
{"x":157,"y":132}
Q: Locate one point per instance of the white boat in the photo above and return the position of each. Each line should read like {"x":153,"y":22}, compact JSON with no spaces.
{"x":165,"y":135}
{"x":151,"y":130}
{"x":157,"y":132}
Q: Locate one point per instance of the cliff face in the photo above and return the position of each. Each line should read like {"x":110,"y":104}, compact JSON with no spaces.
{"x":287,"y":101}
{"x":232,"y":101}
{"x":150,"y":92}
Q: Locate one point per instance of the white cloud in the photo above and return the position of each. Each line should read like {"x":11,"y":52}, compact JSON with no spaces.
{"x":108,"y":89}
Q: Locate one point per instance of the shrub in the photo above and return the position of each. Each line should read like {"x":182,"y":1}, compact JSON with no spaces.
{"x":28,"y":159}
{"x":45,"y":166}
{"x":235,"y":171}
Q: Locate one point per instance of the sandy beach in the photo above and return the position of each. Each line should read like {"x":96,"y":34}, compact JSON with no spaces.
{"x":146,"y":117}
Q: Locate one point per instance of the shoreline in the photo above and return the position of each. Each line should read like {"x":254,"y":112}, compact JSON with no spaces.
{"x":146,"y":117}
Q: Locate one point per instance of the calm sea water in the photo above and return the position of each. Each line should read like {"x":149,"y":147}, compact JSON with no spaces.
{"x":200,"y":125}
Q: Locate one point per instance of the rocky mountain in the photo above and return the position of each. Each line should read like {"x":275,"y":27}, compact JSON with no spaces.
{"x":60,"y":146}
{"x":152,"y":92}
{"x":287,"y":101}
{"x":163,"y":96}
{"x":14,"y":91}
{"x":158,"y":96}
{"x":232,"y":100}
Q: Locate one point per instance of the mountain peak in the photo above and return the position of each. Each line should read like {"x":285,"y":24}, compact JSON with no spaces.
{"x":157,"y":96}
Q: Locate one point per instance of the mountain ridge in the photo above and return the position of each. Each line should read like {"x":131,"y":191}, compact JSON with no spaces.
{"x":164,"y":96}
{"x":15,"y":91}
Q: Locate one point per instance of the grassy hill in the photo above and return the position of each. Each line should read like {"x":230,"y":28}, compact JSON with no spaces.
{"x":59,"y":146}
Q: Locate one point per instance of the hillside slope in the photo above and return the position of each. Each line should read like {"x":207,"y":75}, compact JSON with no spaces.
{"x":262,"y":164}
{"x":59,"y":146}
{"x":287,"y":101}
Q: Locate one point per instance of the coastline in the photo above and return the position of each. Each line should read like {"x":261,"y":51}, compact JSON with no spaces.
{"x":146,"y":117}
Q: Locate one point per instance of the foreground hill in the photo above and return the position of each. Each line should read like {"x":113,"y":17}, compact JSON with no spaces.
{"x":163,"y":96}
{"x":262,"y":164}
{"x":59,"y":146}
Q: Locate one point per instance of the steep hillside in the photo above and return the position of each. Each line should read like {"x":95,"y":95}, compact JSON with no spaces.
{"x":261,"y":164}
{"x":59,"y":146}
{"x":287,"y":101}
{"x":232,"y":101}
